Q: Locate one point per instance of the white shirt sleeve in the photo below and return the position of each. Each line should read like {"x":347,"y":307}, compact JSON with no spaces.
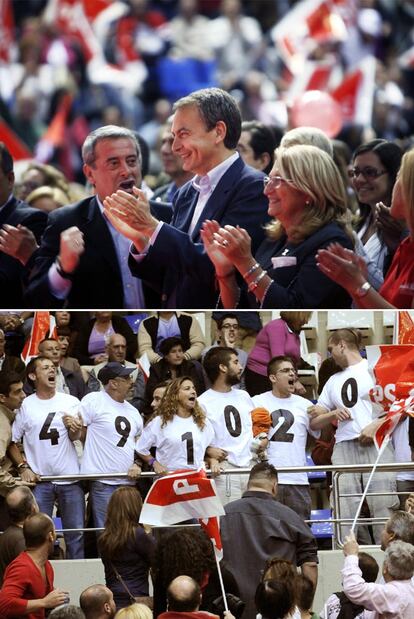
{"x":60,"y":287}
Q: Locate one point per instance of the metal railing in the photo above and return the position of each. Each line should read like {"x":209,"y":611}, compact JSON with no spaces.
{"x":337,"y":470}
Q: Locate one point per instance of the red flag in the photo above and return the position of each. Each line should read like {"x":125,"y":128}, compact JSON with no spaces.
{"x":6,"y":30}
{"x":355,"y":93}
{"x":212,"y":527}
{"x":392,"y":367}
{"x":17,"y":148}
{"x":405,"y":328}
{"x":180,"y":496}
{"x":54,"y":136}
{"x":398,"y":410}
{"x":307,"y":23}
{"x":44,"y":325}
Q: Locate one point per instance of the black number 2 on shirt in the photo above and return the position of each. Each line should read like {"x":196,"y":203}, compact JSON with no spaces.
{"x":123,"y":427}
{"x":282,"y":420}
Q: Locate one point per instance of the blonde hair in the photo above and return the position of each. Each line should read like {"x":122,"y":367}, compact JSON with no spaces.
{"x":406,"y":177}
{"x":135,"y":611}
{"x":308,"y":135}
{"x":313,"y":172}
{"x":59,"y":197}
{"x":294,"y":319}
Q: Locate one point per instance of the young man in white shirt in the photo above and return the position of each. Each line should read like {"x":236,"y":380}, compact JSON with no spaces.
{"x":49,"y":449}
{"x":345,"y":398}
{"x":111,"y":427}
{"x":229,"y":411}
{"x":288,"y":434}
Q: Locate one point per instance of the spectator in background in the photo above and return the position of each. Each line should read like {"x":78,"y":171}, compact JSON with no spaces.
{"x":125,"y":547}
{"x":227,"y":334}
{"x":15,"y":213}
{"x":172,"y":165}
{"x":257,"y":145}
{"x":64,"y":339}
{"x":97,"y":602}
{"x":375,"y":165}
{"x":92,"y":338}
{"x":39,"y":175}
{"x":277,"y":337}
{"x":28,"y":587}
{"x":20,"y":504}
{"x":153,"y":330}
{"x":173,"y":364}
{"x":9,"y":363}
{"x":47,"y":199}
{"x":189,"y":32}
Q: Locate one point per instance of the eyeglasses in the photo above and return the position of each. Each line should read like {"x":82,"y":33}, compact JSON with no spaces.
{"x":229,"y":326}
{"x":368,"y":173}
{"x":274,"y":182}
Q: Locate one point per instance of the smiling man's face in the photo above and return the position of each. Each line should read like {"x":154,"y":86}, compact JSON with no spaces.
{"x":116,"y":166}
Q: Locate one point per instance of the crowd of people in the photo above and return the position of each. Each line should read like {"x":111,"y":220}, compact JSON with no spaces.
{"x":211,"y":407}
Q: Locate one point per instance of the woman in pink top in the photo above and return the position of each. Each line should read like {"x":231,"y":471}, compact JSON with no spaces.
{"x":278,"y":337}
{"x":395,"y":598}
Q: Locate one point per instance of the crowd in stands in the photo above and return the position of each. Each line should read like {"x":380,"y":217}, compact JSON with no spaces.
{"x":105,"y":419}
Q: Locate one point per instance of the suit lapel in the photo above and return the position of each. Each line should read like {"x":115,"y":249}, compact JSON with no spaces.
{"x":218,"y":199}
{"x":184,"y":209}
{"x":7,"y":211}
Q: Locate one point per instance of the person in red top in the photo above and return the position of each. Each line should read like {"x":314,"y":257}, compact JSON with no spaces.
{"x":28,"y":580}
{"x":349,"y":270}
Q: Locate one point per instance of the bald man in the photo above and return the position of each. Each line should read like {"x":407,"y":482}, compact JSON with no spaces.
{"x":97,"y":602}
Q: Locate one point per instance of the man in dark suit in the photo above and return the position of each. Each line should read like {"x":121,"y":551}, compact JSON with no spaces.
{"x":15,"y":213}
{"x":206,"y":128}
{"x":82,"y":260}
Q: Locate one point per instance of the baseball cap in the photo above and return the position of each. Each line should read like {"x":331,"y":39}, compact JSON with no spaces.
{"x":113,"y":369}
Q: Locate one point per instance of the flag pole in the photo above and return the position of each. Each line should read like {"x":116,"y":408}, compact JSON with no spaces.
{"x":364,"y":494}
{"x":223,"y":592}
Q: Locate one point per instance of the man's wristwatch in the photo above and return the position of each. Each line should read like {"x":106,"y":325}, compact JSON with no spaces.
{"x":362,"y":290}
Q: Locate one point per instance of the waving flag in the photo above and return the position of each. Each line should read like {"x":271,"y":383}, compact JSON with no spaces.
{"x":182,"y":495}
{"x":398,"y":410}
{"x":405,"y":328}
{"x":44,"y":325}
{"x":392,"y":367}
{"x":6,"y":30}
{"x":355,"y":94}
{"x":18,"y":150}
{"x":212,"y":527}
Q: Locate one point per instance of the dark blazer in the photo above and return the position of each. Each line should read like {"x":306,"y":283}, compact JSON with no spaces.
{"x":302,"y":285}
{"x":12,"y":272}
{"x":238,"y":199}
{"x":176,"y":265}
{"x":97,"y":281}
{"x":13,"y":364}
{"x":120,"y":325}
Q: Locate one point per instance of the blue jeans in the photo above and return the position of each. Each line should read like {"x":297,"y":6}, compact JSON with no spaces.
{"x":71,"y":503}
{"x":99,"y":495}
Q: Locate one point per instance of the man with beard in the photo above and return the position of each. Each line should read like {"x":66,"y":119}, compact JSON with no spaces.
{"x":229,"y":411}
{"x":28,"y":581}
{"x":49,"y":449}
{"x":345,"y":401}
{"x":286,"y":438}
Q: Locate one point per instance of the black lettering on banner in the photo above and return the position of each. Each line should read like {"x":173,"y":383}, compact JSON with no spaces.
{"x":233,"y":420}
{"x":47,"y":434}
{"x":349,"y":392}
{"x":123,"y":427}
{"x":188,"y":436}
{"x":282,"y":420}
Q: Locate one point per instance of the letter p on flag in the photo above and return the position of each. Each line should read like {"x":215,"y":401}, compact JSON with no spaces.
{"x":180,"y":496}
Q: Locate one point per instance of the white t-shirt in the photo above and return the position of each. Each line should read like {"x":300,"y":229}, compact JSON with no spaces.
{"x":180,"y":444}
{"x":48,"y":448}
{"x":349,"y":388}
{"x":230,"y":416}
{"x":402,"y":449}
{"x":113,"y":428}
{"x":288,"y":434}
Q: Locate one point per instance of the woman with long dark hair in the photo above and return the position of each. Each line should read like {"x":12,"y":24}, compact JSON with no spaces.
{"x":126,"y":548}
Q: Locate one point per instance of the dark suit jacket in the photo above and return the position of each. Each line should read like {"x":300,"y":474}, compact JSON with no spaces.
{"x":238,"y":199}
{"x":97,"y":281}
{"x":176,"y":265}
{"x":12,"y":273}
{"x":13,"y":364}
{"x":302,"y":285}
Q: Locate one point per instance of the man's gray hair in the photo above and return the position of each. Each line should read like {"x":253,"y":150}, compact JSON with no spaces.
{"x":399,"y":560}
{"x":215,"y":104}
{"x":108,"y":132}
{"x":402,"y":525}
